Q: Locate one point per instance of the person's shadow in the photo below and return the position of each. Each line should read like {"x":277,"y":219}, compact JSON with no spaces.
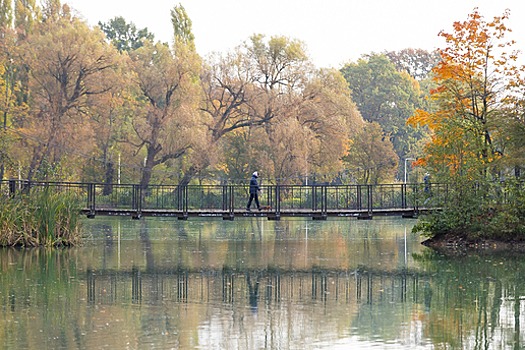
{"x":253,"y":291}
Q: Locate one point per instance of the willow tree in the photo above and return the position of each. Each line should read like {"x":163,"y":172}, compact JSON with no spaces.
{"x":371,"y":158}
{"x":309,"y":141}
{"x":251,"y":87}
{"x":66,"y":61}
{"x":165,"y":126}
{"x":267,"y":108}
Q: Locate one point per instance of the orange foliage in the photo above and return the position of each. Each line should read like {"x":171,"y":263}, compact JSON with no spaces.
{"x":465,"y":78}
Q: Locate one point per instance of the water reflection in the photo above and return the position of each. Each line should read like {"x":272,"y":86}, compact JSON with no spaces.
{"x":256,"y":284}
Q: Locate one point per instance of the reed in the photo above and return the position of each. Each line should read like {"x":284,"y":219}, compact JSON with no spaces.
{"x":41,"y":218}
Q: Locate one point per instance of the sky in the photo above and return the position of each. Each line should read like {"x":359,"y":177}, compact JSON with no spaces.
{"x":335,"y":31}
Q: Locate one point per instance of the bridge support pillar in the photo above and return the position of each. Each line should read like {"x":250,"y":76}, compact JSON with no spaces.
{"x":274,"y":216}
{"x":364,"y":216}
{"x":410,"y":214}
{"x":228,"y":216}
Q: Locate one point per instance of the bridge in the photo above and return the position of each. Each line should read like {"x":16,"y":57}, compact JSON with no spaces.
{"x":229,"y":201}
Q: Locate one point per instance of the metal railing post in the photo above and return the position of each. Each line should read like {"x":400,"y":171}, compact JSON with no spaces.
{"x":370,"y":199}
{"x":404,"y":196}
{"x":359,"y":194}
{"x":137,"y":202}
{"x":91,"y":200}
{"x":277,"y":202}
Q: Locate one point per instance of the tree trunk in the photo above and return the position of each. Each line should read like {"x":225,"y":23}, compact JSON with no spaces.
{"x":188,"y":175}
{"x":108,"y":181}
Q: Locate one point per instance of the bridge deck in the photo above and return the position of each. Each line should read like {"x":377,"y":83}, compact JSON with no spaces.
{"x":270,"y":214}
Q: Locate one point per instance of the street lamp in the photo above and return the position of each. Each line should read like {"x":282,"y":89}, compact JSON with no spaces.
{"x":407,"y":159}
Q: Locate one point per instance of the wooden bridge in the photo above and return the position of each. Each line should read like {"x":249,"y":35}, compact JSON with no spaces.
{"x":229,"y":201}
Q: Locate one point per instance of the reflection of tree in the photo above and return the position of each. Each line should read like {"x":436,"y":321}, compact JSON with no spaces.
{"x":473,"y":297}
{"x":146,"y":243}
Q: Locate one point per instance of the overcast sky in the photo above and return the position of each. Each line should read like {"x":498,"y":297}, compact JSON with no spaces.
{"x":334,"y":31}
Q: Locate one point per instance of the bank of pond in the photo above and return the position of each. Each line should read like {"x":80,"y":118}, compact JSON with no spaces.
{"x":42,"y":218}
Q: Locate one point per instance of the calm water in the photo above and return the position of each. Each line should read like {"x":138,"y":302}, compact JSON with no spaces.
{"x":258,"y":284}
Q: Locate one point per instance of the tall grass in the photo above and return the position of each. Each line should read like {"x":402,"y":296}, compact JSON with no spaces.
{"x":42,"y":218}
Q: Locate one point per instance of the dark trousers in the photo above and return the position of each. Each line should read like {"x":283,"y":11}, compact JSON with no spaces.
{"x":252,"y":197}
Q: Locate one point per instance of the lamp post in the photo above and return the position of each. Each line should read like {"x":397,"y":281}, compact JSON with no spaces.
{"x":407,"y":159}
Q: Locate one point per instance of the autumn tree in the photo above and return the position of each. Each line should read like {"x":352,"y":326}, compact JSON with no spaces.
{"x":165,"y":126}
{"x":250,"y":87}
{"x":6,"y":14}
{"x":479,"y":92}
{"x":328,"y":117}
{"x":27,"y":15}
{"x":66,"y":60}
{"x":472,"y":89}
{"x":265,"y":101}
{"x":371,"y":158}
{"x":12,"y":96}
{"x":108,"y":119}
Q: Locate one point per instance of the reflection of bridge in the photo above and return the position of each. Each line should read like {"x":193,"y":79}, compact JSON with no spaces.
{"x":253,"y":286}
{"x":229,"y":201}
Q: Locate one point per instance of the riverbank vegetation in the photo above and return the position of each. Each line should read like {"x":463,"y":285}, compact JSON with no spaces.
{"x":43,"y":218}
{"x":477,"y":129}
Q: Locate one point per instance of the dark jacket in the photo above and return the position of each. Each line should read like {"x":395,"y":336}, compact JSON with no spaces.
{"x":254,"y":186}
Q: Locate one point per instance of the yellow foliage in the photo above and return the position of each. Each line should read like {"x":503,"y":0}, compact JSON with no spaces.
{"x":420,"y":118}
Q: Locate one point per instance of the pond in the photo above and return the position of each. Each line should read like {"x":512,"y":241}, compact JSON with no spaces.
{"x":256,"y":284}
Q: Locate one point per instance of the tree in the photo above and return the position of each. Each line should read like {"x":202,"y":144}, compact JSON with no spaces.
{"x":252,"y":86}
{"x":371,"y":158}
{"x":265,"y":101}
{"x":66,"y":61}
{"x":479,"y":94}
{"x":27,"y":15}
{"x":124,"y":36}
{"x":6,"y":14}
{"x":108,"y":119}
{"x":329,"y":117}
{"x":388,"y":97}
{"x":6,"y":91}
{"x":182,"y":26}
{"x":165,"y":125}
{"x":471,"y":95}
{"x":418,"y":63}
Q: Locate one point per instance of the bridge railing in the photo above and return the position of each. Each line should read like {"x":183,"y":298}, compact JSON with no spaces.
{"x":15,"y":187}
{"x":228,"y":198}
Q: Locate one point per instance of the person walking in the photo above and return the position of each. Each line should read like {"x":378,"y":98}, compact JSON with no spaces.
{"x":254,"y":192}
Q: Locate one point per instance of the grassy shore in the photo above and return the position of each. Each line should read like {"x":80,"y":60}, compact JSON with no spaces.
{"x":42,"y":218}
